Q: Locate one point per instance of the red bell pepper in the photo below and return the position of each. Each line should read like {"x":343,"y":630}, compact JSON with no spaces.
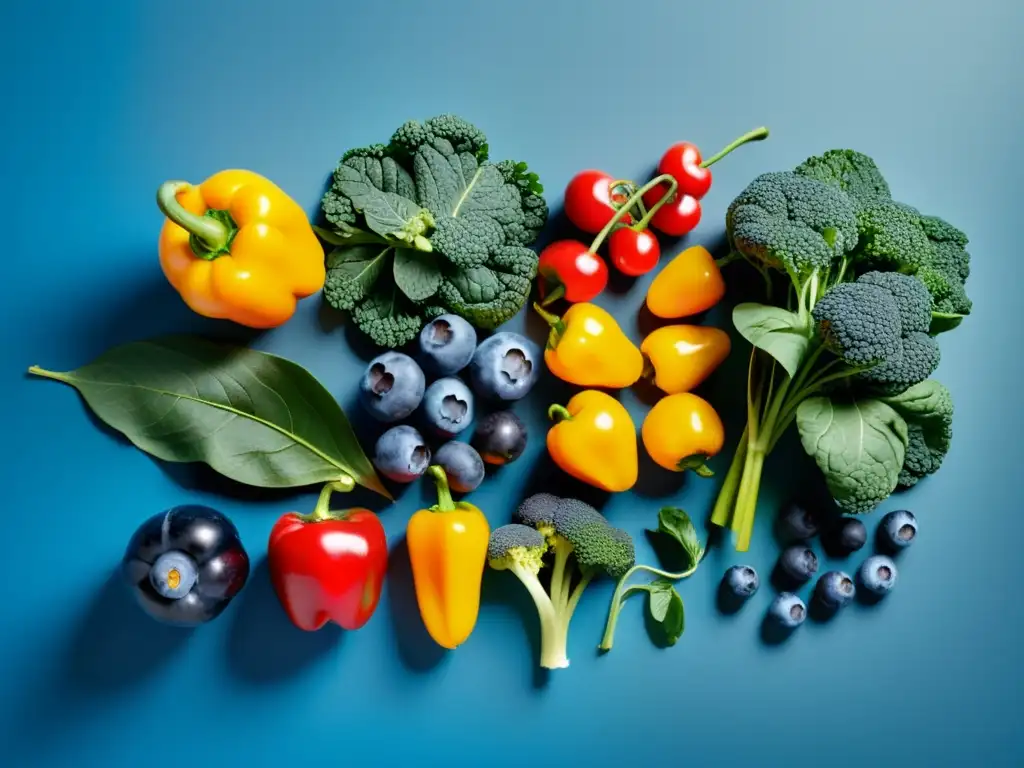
{"x":328,"y":565}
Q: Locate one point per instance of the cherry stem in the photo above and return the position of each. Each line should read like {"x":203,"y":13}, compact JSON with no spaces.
{"x":755,"y":135}
{"x":631,"y":202}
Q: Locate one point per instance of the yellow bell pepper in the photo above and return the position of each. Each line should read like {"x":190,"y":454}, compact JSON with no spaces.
{"x":594,"y":440}
{"x":448,"y":552}
{"x":682,"y":432}
{"x":236,"y":247}
{"x":689,"y":284}
{"x":679,"y":358}
{"x":587,"y":347}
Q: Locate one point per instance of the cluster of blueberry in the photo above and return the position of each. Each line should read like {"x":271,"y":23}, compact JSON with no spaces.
{"x":394,"y":388}
{"x":798,"y":564}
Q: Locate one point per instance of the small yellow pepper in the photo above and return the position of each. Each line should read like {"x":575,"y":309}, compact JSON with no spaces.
{"x":594,"y":440}
{"x":448,"y":552}
{"x":680,"y":357}
{"x":587,"y":347}
{"x":682,"y":432}
{"x":689,"y":284}
{"x":236,"y":247}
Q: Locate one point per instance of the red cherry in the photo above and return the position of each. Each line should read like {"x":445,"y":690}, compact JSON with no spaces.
{"x":633,"y":252}
{"x":682,"y":162}
{"x":588,"y":201}
{"x":681,"y":214}
{"x":572,"y":271}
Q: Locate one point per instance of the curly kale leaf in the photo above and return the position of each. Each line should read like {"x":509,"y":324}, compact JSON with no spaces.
{"x":489,"y":295}
{"x":388,"y":317}
{"x":927,"y":408}
{"x":353,"y":272}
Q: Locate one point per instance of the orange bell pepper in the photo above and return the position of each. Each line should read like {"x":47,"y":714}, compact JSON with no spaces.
{"x":689,"y":284}
{"x":236,"y":247}
{"x":588,"y":348}
{"x":594,"y":440}
{"x":448,"y":552}
{"x":682,"y":432}
{"x":679,"y":358}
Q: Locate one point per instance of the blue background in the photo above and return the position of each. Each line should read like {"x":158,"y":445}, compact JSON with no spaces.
{"x":102,"y":102}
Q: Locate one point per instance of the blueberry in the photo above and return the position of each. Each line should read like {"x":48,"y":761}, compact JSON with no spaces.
{"x":788,"y":610}
{"x":799,"y":562}
{"x":462,"y":464}
{"x":742,"y":581}
{"x":500,"y":437}
{"x":798,"y":524}
{"x":447,"y":344}
{"x":849,"y":535}
{"x":878,"y":574}
{"x":392,"y":387}
{"x":448,"y":406}
{"x":835,"y":589}
{"x":401,"y":454}
{"x":898,"y":529}
{"x":505,"y":366}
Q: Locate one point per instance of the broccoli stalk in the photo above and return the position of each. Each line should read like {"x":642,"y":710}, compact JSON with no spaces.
{"x":583,"y":546}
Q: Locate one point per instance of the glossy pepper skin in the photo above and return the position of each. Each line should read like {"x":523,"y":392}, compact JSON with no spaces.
{"x":680,"y":358}
{"x":328,"y":566}
{"x":185,"y":565}
{"x":682,"y":432}
{"x":448,"y":552}
{"x":236,"y":247}
{"x":594,"y":440}
{"x":587,"y":347}
{"x":689,"y":284}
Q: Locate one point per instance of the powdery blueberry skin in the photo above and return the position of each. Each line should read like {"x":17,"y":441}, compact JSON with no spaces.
{"x":798,"y":524}
{"x":835,"y":589}
{"x":401,"y":454}
{"x":799,"y":562}
{"x":898,"y":529}
{"x":447,"y":344}
{"x":448,"y":406}
{"x":392,"y":387}
{"x":462,"y":464}
{"x":742,"y":581}
{"x":788,"y":610}
{"x":878,"y":574}
{"x":505,"y":366}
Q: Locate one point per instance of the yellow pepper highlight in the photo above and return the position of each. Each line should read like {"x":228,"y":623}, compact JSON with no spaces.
{"x":682,"y":432}
{"x":594,"y":440}
{"x":680,"y":358}
{"x":587,"y":347}
{"x":236,"y":247}
{"x":689,"y":284}
{"x":448,"y":552}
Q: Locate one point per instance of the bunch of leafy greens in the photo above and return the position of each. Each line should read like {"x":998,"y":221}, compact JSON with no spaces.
{"x":427,"y":224}
{"x":859,"y":287}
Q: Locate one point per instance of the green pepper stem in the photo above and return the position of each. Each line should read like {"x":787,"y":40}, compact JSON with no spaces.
{"x":322,"y":510}
{"x":559,"y":413}
{"x":213,"y":234}
{"x":637,"y":195}
{"x":445,"y":503}
{"x":556,"y":323}
{"x":755,"y":135}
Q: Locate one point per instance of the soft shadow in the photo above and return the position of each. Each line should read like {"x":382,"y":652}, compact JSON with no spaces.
{"x":819,"y":612}
{"x":116,"y":644}
{"x":619,"y":283}
{"x":773,"y":633}
{"x":416,"y":648}
{"x":263,"y":646}
{"x":548,"y":477}
{"x":727,"y":601}
{"x":867,"y":598}
{"x":783,"y":582}
{"x":329,"y":318}
{"x":654,"y":481}
{"x":504,"y":589}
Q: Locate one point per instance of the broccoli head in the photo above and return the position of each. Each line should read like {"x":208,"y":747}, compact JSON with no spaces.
{"x":860,"y":323}
{"x":917,"y":360}
{"x":792,"y":223}
{"x":912,"y":298}
{"x":854,"y":173}
{"x":891,"y":237}
{"x":946,"y":268}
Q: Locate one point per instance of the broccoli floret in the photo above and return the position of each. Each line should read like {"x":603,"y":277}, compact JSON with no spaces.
{"x":389,"y":319}
{"x":891,"y":237}
{"x":946,"y":269}
{"x":917,"y":359}
{"x":584,"y":546}
{"x":854,"y":173}
{"x":912,"y":299}
{"x":860,"y":323}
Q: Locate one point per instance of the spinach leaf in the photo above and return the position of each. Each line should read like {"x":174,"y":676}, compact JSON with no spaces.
{"x":777,"y":331}
{"x":254,"y":417}
{"x":666,"y":608}
{"x":927,"y":408}
{"x":417,"y":274}
{"x":674,"y":522}
{"x":859,"y":446}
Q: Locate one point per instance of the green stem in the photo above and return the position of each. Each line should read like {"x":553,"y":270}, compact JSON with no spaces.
{"x":600,"y":238}
{"x":559,"y":413}
{"x":622,"y":592}
{"x":559,"y":592}
{"x":748,"y":493}
{"x":646,"y":219}
{"x":555,"y":322}
{"x":445,"y":503}
{"x":729,"y":258}
{"x":755,"y":135}
{"x":722,"y":513}
{"x":322,"y":510}
{"x":211,"y":233}
{"x":570,"y":606}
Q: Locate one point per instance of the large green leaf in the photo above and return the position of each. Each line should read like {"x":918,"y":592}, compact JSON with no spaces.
{"x":254,"y":417}
{"x":775,"y":330}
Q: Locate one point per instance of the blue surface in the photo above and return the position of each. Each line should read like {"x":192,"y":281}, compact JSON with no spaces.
{"x":103,"y":102}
